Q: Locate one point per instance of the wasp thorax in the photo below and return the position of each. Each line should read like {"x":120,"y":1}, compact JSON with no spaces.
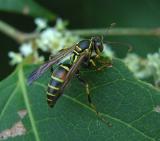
{"x":84,"y":44}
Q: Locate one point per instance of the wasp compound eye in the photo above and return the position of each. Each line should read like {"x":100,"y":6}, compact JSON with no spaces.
{"x":98,"y":44}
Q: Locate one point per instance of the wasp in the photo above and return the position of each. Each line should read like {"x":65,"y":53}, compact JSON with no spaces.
{"x":82,"y":53}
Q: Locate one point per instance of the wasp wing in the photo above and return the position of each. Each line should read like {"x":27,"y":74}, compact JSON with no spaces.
{"x":55,"y":59}
{"x":73,"y":70}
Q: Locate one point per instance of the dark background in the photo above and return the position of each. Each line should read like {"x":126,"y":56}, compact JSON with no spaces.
{"x":91,"y":14}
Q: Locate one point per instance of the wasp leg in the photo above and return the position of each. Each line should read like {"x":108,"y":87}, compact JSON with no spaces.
{"x":104,"y":64}
{"x":89,"y":99}
{"x":92,"y":62}
{"x":51,"y":56}
{"x":87,"y":91}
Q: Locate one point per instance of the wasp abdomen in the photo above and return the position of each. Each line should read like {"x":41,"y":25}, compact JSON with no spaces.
{"x":54,"y":86}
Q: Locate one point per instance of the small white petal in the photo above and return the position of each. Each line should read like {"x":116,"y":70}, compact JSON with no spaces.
{"x":41,"y":23}
{"x":16,"y":58}
{"x":107,"y":51}
{"x":11,"y":54}
{"x":60,"y":25}
{"x":26,"y":49}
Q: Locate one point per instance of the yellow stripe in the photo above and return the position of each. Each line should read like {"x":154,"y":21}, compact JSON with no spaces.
{"x":72,"y":58}
{"x":65,"y":67}
{"x":57,"y":79}
{"x":53,"y":87}
{"x":78,"y":48}
{"x":49,"y":99}
{"x":90,"y":45}
{"x":76,"y":52}
{"x":50,"y":94}
{"x":93,"y":63}
{"x":75,"y":59}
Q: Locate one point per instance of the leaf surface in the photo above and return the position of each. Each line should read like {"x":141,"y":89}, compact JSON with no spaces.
{"x":130,"y":105}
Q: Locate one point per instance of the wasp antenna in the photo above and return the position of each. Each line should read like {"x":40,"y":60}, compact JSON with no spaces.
{"x":130,"y":47}
{"x":102,"y":37}
{"x":110,"y":27}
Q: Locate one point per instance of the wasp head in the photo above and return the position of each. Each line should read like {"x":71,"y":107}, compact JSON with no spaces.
{"x":97,"y":44}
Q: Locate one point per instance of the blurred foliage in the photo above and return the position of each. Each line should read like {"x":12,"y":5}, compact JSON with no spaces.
{"x":87,"y":14}
{"x":26,"y":7}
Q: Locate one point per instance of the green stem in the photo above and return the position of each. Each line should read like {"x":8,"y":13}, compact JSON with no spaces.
{"x":14,"y":33}
{"x":24,"y":92}
{"x":118,"y":32}
{"x":21,"y":37}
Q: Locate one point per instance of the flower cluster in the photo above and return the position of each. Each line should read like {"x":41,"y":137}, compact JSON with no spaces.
{"x":55,"y":39}
{"x":154,"y":65}
{"x":50,"y":39}
{"x":137,"y":65}
{"x":145,"y":67}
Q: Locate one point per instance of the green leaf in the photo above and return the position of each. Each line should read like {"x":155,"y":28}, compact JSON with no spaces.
{"x":132,"y":106}
{"x":27,"y":7}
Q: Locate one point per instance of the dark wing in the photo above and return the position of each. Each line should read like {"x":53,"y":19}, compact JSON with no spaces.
{"x":55,"y":59}
{"x":129,"y":46}
{"x":73,"y":69}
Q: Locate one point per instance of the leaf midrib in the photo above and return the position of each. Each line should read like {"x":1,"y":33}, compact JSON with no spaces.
{"x":26,"y":101}
{"x":111,"y":117}
{"x":108,"y":116}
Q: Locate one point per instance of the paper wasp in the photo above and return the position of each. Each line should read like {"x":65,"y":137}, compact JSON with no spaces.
{"x":82,"y":53}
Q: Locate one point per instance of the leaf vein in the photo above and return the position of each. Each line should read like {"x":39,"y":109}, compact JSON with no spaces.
{"x":8,"y":101}
{"x":111,"y":117}
{"x":26,"y":100}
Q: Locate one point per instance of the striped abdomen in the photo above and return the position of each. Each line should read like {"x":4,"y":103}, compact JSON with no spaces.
{"x":55,"y":84}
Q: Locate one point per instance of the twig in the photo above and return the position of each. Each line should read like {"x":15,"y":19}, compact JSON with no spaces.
{"x":118,"y":32}
{"x":21,"y":37}
{"x":14,"y":33}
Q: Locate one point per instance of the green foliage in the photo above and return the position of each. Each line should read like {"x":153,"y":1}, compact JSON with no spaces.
{"x":129,"y":104}
{"x":27,"y":7}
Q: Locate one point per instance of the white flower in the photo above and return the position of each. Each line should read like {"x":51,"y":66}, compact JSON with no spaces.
{"x":26,"y":49}
{"x":51,"y":39}
{"x":107,"y":51}
{"x":154,"y":60}
{"x":143,"y":68}
{"x":16,"y":58}
{"x":60,"y":24}
{"x":41,"y":23}
{"x":154,"y":65}
{"x":138,"y":66}
{"x":133,"y":62}
{"x":37,"y":58}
